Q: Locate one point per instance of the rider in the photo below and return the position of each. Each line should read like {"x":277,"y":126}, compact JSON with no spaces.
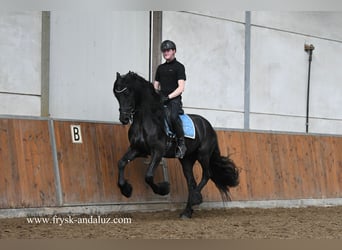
{"x":170,"y":81}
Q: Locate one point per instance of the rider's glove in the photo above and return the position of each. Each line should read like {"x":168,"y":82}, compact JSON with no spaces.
{"x":164,"y":99}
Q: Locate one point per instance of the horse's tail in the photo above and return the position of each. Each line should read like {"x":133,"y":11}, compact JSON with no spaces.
{"x":223,"y":172}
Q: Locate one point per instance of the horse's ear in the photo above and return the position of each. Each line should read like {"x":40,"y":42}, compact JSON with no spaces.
{"x":131,"y":73}
{"x":118,"y":75}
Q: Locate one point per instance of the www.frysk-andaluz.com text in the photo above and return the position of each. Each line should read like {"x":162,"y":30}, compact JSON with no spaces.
{"x":58,"y":220}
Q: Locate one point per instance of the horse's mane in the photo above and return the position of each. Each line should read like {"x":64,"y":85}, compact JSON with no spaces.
{"x":146,"y":96}
{"x":142,"y":80}
{"x":141,"y":85}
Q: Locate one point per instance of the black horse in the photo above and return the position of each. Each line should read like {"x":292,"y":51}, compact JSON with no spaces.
{"x":141,"y":105}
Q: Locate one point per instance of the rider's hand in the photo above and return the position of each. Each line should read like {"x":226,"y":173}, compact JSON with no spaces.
{"x":164,"y":99}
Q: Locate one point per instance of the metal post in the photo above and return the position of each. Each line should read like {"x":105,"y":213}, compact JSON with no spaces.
{"x":156,"y":39}
{"x":58,"y":184}
{"x":308,"y":48}
{"x":45,"y":64}
{"x":247,"y":69}
{"x":150,"y":47}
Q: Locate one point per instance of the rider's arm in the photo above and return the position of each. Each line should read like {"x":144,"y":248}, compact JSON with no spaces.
{"x":156,"y":85}
{"x":178,"y":91}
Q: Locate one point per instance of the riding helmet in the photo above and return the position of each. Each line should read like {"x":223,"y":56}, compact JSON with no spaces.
{"x":167,"y":44}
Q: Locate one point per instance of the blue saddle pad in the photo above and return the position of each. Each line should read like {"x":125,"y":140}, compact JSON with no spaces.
{"x":188,"y":127}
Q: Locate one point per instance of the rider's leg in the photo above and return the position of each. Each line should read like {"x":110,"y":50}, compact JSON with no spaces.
{"x":175,"y":110}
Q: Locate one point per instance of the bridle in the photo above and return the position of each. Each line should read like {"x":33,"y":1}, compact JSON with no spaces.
{"x":120,"y":91}
{"x":126,"y":111}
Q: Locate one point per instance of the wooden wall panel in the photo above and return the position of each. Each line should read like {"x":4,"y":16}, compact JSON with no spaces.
{"x":178,"y":186}
{"x":89,"y":170}
{"x":26,"y":165}
{"x":274,"y":166}
{"x":333,"y":165}
{"x":288,"y":166}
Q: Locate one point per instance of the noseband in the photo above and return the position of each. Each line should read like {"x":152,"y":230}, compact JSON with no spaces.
{"x":126,"y":111}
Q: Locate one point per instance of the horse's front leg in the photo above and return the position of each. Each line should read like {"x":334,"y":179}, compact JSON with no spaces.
{"x":125,"y":187}
{"x":162,"y":188}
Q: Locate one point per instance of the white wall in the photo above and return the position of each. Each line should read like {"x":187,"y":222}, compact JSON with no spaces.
{"x":326,"y":24}
{"x":20,"y":67}
{"x":211,"y":45}
{"x":326,"y":87}
{"x":278,"y":80}
{"x":87,"y":49}
{"x":212,"y":50}
{"x":279,"y":71}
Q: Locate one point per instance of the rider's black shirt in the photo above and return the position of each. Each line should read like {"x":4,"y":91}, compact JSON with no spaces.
{"x":168,"y":74}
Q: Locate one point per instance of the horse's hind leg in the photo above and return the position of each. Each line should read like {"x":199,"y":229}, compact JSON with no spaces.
{"x":187,"y":165}
{"x":162,"y":188}
{"x":125,"y":187}
{"x":204,"y":161}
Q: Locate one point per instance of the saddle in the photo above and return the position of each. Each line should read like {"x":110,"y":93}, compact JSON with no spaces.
{"x":188,"y":127}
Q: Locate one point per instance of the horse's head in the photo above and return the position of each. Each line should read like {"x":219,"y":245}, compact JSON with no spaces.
{"x":125,"y":97}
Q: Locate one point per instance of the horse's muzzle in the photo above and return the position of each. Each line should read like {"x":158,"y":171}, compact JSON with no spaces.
{"x":126,"y":116}
{"x":124,"y":119}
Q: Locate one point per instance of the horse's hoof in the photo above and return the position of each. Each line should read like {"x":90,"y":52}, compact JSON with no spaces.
{"x":186,"y":214}
{"x":184,"y":217}
{"x":163,"y":188}
{"x":126,"y":189}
